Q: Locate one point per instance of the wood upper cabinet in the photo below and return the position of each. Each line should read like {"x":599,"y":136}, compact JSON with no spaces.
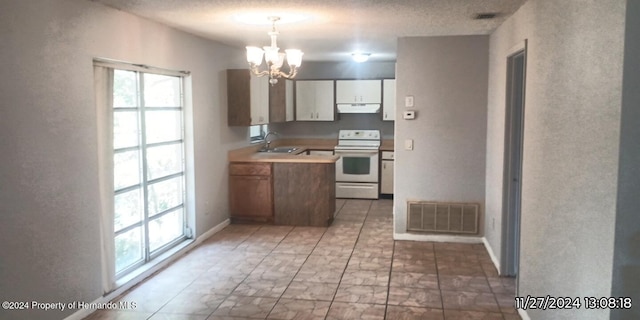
{"x":315,"y":100}
{"x":281,"y":101}
{"x":247,"y":98}
{"x":389,"y":99}
{"x":251,"y":192}
{"x":358,"y":91}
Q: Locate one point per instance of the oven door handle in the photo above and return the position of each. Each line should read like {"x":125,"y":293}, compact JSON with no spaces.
{"x":374,"y":152}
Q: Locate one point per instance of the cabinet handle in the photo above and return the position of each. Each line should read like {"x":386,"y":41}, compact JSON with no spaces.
{"x":384,"y":165}
{"x":385,"y":115}
{"x":317,"y":115}
{"x":311,"y":115}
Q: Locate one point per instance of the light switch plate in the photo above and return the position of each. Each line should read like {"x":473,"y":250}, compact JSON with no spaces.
{"x":408,"y":101}
{"x":408,"y":144}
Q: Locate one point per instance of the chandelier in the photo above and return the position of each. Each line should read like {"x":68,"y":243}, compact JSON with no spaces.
{"x":274,"y":58}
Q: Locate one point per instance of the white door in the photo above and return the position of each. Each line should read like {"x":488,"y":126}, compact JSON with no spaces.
{"x":512,"y":176}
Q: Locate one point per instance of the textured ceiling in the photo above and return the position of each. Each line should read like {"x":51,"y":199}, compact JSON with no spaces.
{"x":332,"y":29}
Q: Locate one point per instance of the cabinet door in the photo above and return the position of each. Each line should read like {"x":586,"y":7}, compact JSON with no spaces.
{"x":358,"y":91}
{"x":324,"y":101}
{"x":386,"y":178}
{"x":347,"y":91}
{"x":259,"y":96}
{"x":238,"y":97}
{"x":320,"y":152}
{"x":305,"y":100}
{"x":281,"y":101}
{"x":389,"y":100}
{"x":251,"y":198}
{"x":289,"y":100}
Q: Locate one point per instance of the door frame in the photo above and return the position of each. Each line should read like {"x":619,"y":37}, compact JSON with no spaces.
{"x":513,"y":160}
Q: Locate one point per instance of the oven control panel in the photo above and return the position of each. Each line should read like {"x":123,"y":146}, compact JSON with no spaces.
{"x":359,"y":135}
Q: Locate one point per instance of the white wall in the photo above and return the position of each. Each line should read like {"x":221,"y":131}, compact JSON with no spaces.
{"x":447,"y":76}
{"x":49,"y":196}
{"x":571,"y":138}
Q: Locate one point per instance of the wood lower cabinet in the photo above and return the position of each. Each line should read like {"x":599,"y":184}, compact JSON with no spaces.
{"x":251,"y":192}
{"x":298,"y":194}
{"x":305,"y":193}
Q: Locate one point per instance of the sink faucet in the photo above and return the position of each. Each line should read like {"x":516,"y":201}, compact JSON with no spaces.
{"x":267,"y":143}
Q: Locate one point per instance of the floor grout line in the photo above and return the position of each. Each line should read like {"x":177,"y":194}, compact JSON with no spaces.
{"x":367,"y":222}
{"x":349,"y":259}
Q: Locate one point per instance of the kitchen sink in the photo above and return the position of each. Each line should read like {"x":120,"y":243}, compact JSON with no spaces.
{"x":279,"y":150}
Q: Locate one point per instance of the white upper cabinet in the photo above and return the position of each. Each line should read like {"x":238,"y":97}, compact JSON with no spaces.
{"x":389,"y":99}
{"x":259,"y":95}
{"x":358,"y":91}
{"x":289,"y":101}
{"x":314,"y":100}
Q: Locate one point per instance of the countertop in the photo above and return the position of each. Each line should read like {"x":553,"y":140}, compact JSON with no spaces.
{"x":251,"y":154}
{"x":387,"y":145}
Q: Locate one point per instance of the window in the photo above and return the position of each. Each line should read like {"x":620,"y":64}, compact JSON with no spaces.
{"x":148,"y":166}
{"x":256,"y":133}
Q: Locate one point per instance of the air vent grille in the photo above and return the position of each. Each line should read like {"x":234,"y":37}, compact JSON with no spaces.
{"x":442,"y":217}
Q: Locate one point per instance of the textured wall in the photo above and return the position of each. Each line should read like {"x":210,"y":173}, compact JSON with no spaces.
{"x":447,"y":76}
{"x":572,"y":127}
{"x":626,"y":263}
{"x":49,"y":195}
{"x":511,"y":34}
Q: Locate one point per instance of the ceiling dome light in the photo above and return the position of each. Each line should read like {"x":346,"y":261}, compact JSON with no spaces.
{"x":360,"y":56}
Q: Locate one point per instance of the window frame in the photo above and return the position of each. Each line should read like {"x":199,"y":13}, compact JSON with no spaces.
{"x":258,"y":138}
{"x":145,"y":181}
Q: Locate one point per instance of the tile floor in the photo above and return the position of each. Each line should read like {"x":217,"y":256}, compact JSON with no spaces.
{"x":351,"y":270}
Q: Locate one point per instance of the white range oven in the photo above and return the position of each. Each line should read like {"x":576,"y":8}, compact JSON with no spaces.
{"x":357,"y":168}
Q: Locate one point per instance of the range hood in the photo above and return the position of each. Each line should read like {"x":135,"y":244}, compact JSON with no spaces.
{"x":358,"y":108}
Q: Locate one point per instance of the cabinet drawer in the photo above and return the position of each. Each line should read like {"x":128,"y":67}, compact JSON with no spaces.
{"x":387,"y":155}
{"x":320,"y":152}
{"x":250,"y":169}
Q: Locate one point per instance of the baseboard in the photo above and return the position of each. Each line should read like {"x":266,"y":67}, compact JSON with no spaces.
{"x":130,"y":283}
{"x":523,"y":314}
{"x":212,"y":231}
{"x":494,"y":259}
{"x":435,"y":238}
